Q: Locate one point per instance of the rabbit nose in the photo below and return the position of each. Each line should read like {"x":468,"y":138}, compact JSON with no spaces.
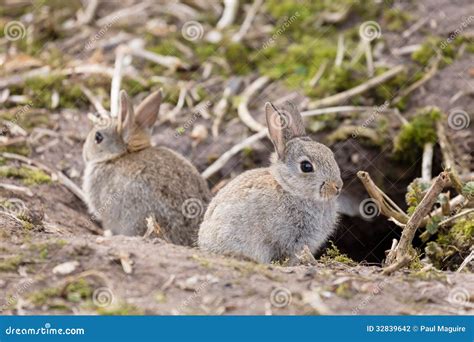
{"x":336,"y":186}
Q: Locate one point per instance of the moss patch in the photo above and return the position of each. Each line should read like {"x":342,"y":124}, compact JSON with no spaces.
{"x":334,"y":254}
{"x":27,"y":175}
{"x":10,"y":264}
{"x":413,"y":136}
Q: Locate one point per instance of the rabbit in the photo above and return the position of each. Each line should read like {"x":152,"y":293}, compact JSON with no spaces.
{"x":126,"y":180}
{"x":270,"y":214}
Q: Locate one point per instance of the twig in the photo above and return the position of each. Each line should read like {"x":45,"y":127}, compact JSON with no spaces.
{"x":228,"y":15}
{"x":122,"y":13}
{"x":466,"y":261}
{"x":16,"y":188}
{"x":427,"y":162}
{"x":94,"y":100}
{"x":453,"y":203}
{"x":448,"y":156}
{"x":227,"y":18}
{"x":415,"y":27}
{"x":406,"y":50}
{"x":344,"y":109}
{"x":62,"y":178}
{"x":224,"y":158}
{"x":386,"y":206}
{"x":340,"y":51}
{"x":368,"y":57}
{"x":426,"y":77}
{"x":243,"y":110}
{"x":116,"y":81}
{"x":319,"y":73}
{"x":170,"y":62}
{"x":87,"y":15}
{"x":396,"y":265}
{"x":455,"y":217}
{"x":416,"y":218}
{"x":252,"y":12}
{"x":347,"y":94}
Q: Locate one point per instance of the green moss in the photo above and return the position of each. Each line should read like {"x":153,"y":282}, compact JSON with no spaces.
{"x":436,"y":45}
{"x":78,"y":291}
{"x":44,"y":249}
{"x":42,"y":296}
{"x":333,"y":254}
{"x":413,"y":136}
{"x":27,"y":175}
{"x":166,"y":47}
{"x":344,"y":290}
{"x":10,"y":264}
{"x":415,"y":193}
{"x":121,"y":309}
{"x":40,"y":90}
{"x":452,"y":246}
{"x":396,"y":19}
{"x":21,"y":149}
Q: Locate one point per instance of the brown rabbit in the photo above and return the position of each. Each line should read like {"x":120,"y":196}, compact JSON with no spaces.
{"x":270,"y":214}
{"x":126,"y":180}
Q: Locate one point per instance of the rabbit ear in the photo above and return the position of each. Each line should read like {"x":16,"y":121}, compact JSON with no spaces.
{"x":124,"y":110}
{"x":274,"y":128}
{"x":283,"y":125}
{"x":147,"y":111}
{"x":295,"y":124}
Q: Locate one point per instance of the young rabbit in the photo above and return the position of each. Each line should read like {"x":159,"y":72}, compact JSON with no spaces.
{"x":126,"y":180}
{"x":269,"y":214}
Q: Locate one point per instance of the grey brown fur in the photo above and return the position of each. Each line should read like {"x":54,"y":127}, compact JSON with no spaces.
{"x":126,"y":180}
{"x":270,"y":214}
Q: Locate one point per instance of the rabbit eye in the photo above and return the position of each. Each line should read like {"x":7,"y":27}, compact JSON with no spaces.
{"x":98,"y":137}
{"x":306,"y":166}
